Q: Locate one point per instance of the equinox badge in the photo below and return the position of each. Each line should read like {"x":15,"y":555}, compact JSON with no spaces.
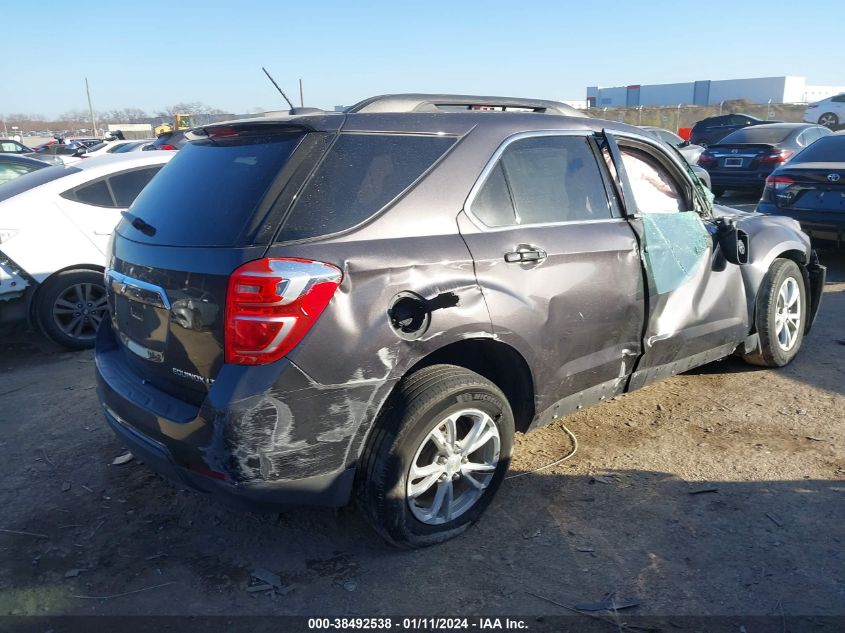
{"x":190,"y":376}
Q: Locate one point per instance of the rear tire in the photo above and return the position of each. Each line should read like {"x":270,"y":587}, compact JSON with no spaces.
{"x":423,"y":479}
{"x":829,"y":120}
{"x":781,"y":315}
{"x":70,"y":306}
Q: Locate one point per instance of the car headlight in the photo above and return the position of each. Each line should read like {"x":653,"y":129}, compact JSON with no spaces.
{"x":7,"y":234}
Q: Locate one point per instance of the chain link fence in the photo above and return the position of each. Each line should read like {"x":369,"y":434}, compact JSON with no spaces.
{"x":676,"y":117}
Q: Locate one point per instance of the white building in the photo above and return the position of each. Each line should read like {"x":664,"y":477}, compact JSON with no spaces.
{"x":708,"y":92}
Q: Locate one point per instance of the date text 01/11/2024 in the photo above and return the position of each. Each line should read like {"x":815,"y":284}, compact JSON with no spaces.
{"x":417,"y":624}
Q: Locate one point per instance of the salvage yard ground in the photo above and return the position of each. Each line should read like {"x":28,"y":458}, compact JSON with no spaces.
{"x":720,"y":491}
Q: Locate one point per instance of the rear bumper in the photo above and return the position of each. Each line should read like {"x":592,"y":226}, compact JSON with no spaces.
{"x":244,"y":445}
{"x":332,"y":489}
{"x":752,"y":180}
{"x":820,"y":225}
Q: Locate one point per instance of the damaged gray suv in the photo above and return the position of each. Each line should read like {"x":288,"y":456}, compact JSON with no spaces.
{"x":320,"y":308}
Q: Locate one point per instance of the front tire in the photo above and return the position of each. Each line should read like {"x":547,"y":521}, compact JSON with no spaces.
{"x":70,"y":306}
{"x":438,"y":454}
{"x":780,"y":315}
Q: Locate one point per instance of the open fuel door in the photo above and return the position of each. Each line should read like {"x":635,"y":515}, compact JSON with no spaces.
{"x":696,"y":308}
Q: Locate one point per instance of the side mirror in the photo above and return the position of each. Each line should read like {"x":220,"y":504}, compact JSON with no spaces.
{"x":734,"y":243}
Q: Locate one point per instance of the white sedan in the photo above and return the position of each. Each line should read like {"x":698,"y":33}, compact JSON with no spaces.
{"x":55,"y":225}
{"x":117,"y":147}
{"x":828,"y":112}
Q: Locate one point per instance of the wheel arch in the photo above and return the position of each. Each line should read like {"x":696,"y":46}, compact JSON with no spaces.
{"x":500,"y":363}
{"x":794,"y":252}
{"x":31,"y":308}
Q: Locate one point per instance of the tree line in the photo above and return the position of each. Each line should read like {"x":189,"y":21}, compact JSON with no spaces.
{"x":82,"y":118}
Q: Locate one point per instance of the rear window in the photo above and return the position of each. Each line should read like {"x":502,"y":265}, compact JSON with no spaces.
{"x":208,"y":194}
{"x":361,"y":174}
{"x":830,"y":149}
{"x":35,"y":179}
{"x":758,"y":134}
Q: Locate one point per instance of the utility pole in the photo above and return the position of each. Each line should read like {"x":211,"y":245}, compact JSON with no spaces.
{"x":91,"y":109}
{"x":301,"y":98}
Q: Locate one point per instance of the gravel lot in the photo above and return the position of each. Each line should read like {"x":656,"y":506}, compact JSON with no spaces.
{"x":621,"y":516}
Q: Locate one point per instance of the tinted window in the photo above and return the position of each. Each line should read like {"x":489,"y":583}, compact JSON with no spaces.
{"x":127,"y":147}
{"x":210,"y":191}
{"x":96,"y":193}
{"x":493,"y":204}
{"x":127,"y":185}
{"x":758,"y":134}
{"x":361,"y":174}
{"x":554,"y":179}
{"x":35,"y":179}
{"x":830,"y":149}
{"x":737,"y":119}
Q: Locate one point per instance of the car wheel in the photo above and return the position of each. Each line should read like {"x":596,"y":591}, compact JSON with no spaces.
{"x":718,"y":191}
{"x":781,"y":314}
{"x":436,"y":457}
{"x":829,"y":120}
{"x":70,"y":306}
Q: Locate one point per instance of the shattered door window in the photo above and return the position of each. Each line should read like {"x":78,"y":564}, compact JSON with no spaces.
{"x":675,"y":239}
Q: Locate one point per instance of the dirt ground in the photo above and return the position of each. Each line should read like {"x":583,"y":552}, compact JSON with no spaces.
{"x":717,"y":492}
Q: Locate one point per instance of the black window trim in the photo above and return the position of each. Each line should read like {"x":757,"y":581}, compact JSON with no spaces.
{"x":278,"y":235}
{"x":494,"y":160}
{"x":70,"y":194}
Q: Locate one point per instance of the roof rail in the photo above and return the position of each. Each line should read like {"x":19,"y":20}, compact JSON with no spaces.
{"x":450,"y":103}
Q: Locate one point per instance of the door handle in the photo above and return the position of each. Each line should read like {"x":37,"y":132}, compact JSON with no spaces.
{"x":524,"y":253}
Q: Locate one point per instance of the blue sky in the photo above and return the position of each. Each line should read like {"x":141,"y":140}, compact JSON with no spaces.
{"x":153,"y":53}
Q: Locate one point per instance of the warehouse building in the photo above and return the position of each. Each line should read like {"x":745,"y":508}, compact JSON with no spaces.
{"x":708,"y":92}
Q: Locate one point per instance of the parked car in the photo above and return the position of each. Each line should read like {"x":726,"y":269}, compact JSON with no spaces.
{"x":115,"y":147}
{"x":688,"y":150}
{"x":14,"y":165}
{"x":744,"y":159}
{"x":132,"y":146}
{"x":811,"y":189}
{"x":168,"y":141}
{"x":713,"y":129}
{"x":11,"y":146}
{"x":55,"y":224}
{"x":307,"y":309}
{"x":829,"y":112}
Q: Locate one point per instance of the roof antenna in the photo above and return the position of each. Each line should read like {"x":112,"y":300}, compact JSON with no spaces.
{"x":277,"y":87}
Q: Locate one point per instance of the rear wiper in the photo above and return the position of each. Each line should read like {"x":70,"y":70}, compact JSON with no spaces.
{"x":138,"y":223}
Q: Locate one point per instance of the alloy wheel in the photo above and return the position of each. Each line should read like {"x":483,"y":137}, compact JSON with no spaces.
{"x":79,"y":309}
{"x":453,"y":466}
{"x":829,"y":120}
{"x":788,"y":314}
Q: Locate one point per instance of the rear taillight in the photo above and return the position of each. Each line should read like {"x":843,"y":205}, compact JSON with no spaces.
{"x":271,"y":305}
{"x":778,"y":183}
{"x":776,"y":156}
{"x":812,"y":107}
{"x":166,"y":146}
{"x":706,"y":159}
